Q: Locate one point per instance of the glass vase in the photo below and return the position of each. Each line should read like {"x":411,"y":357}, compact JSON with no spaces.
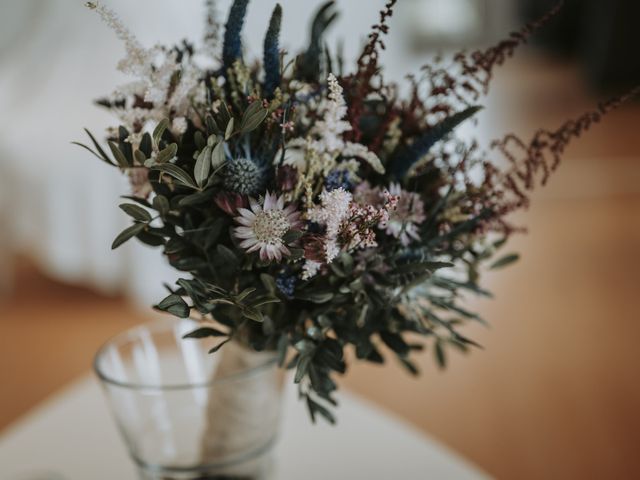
{"x":186,"y":414}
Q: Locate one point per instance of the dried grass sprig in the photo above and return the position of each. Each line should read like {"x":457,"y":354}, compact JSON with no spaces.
{"x":532,"y":162}
{"x":360,"y":84}
{"x":468,"y":78}
{"x":212,"y":28}
{"x":136,"y":54}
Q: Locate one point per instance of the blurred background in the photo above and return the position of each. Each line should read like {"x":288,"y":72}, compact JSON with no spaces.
{"x":554,"y":392}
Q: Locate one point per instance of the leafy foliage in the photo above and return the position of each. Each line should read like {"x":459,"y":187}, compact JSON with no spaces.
{"x":291,"y":235}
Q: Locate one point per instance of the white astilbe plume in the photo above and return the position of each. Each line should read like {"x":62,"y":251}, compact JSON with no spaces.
{"x":211,"y":29}
{"x":159,"y":80}
{"x":137,"y":57}
{"x":333,"y":126}
{"x":171,"y":86}
{"x":191,"y":89}
{"x":332,"y":213}
{"x":331,"y":129}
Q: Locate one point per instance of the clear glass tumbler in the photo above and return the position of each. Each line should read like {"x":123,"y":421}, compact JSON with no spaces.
{"x":186,"y":414}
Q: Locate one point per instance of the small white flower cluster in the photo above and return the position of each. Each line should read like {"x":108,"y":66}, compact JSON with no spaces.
{"x":348,"y":225}
{"x":327,"y":142}
{"x":332,"y":212}
{"x":170,"y":86}
{"x":332,"y":127}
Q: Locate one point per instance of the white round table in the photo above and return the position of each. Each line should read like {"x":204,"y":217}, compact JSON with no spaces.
{"x":72,"y":437}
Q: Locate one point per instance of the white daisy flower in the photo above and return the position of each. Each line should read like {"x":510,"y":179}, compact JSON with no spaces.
{"x":263,"y":226}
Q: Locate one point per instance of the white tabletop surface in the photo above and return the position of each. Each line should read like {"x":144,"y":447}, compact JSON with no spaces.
{"x":72,"y":437}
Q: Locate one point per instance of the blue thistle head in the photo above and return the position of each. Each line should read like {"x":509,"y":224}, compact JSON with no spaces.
{"x":245,"y":177}
{"x":338,"y":179}
{"x":272,"y":53}
{"x":232,"y":47}
{"x":286,"y":283}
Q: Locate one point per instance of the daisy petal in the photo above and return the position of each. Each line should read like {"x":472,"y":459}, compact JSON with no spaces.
{"x":244,"y":213}
{"x":244,"y":232}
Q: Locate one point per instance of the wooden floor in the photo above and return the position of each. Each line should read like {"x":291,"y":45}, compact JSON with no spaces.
{"x":555,"y":394}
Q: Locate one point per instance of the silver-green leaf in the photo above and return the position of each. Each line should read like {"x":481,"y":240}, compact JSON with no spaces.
{"x":128,"y":234}
{"x":203,"y":166}
{"x":136,"y":212}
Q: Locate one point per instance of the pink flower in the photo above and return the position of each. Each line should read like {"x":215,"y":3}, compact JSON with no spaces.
{"x":405,"y":210}
{"x":332,"y":213}
{"x":262,"y":228}
{"x":404,"y":219}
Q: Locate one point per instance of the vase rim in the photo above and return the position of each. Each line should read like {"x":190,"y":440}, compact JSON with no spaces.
{"x":155,"y":326}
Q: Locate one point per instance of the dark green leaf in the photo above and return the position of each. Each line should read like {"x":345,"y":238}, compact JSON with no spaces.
{"x":420,"y":267}
{"x":199,"y":140}
{"x":395,"y":342}
{"x":205,"y":332}
{"x":505,"y":261}
{"x":197,"y":198}
{"x":136,"y":212}
{"x":253,"y":314}
{"x":230,"y":128}
{"x":98,"y":148}
{"x":150,"y":239}
{"x":441,"y":359}
{"x":177,"y":173}
{"x":161,"y":204}
{"x":219,"y":346}
{"x":167,"y":154}
{"x":245,"y":293}
{"x":138,"y":200}
{"x":410,"y":366}
{"x":124,"y":145}
{"x":175,"y":305}
{"x":253,"y":117}
{"x":128,"y":234}
{"x":218,"y":156}
{"x":227,"y":256}
{"x":104,"y":159}
{"x":302,"y":368}
{"x":316,"y":408}
{"x":146,"y":145}
{"x":203,"y":166}
{"x":121,"y":160}
{"x":212,"y":126}
{"x":305,"y":346}
{"x":269,"y":283}
{"x":139,"y":157}
{"x":315,"y":297}
{"x":159,"y":130}
{"x":291,"y":236}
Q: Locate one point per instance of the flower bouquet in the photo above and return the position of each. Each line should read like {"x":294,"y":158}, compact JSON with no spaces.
{"x":311,"y":207}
